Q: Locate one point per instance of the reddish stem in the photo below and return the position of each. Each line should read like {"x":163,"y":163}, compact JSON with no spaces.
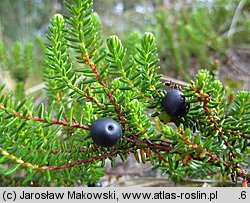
{"x":79,"y":162}
{"x":56,"y":122}
{"x":42,"y":120}
{"x":102,"y":83}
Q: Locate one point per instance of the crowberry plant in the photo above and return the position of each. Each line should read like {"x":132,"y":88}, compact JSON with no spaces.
{"x":97,"y":90}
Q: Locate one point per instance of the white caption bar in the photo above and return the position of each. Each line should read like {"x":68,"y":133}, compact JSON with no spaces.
{"x":124,"y":194}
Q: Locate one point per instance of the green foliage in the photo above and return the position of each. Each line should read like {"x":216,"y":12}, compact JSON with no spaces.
{"x":18,"y":63}
{"x":88,"y":77}
{"x":215,"y":132}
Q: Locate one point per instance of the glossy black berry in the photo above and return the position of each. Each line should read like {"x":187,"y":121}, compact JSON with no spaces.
{"x":105,"y":132}
{"x":175,"y":104}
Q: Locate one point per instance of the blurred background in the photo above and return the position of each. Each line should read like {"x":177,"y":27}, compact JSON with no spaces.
{"x":190,"y":35}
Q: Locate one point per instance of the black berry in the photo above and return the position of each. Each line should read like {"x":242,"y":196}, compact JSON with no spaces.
{"x":175,"y":104}
{"x":95,"y":184}
{"x":105,"y":132}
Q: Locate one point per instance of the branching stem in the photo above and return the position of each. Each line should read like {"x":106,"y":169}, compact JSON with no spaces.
{"x":43,"y":120}
{"x":93,"y":66}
